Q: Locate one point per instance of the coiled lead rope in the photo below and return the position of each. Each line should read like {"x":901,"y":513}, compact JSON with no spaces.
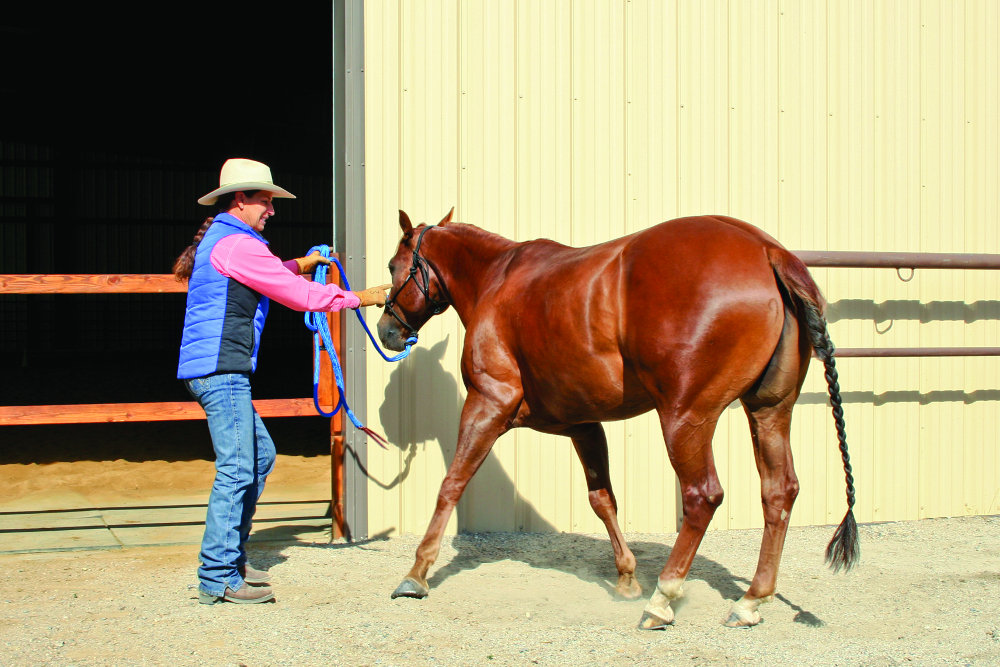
{"x":322,"y":339}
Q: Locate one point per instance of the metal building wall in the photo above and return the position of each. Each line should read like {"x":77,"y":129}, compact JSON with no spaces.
{"x":855,"y":125}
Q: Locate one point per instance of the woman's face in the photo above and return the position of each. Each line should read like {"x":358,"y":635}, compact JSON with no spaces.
{"x":255,"y":209}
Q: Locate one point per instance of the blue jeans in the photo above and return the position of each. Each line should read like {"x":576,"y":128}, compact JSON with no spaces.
{"x":244,"y":457}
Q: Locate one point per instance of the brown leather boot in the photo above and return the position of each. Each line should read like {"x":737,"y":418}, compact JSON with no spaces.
{"x":246,"y":595}
{"x":253,"y":576}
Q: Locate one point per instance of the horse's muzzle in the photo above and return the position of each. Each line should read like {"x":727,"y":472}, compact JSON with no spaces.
{"x":391,"y":334}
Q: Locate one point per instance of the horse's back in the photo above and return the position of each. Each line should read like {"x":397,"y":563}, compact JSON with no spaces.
{"x":691,"y":241}
{"x":665,"y":282}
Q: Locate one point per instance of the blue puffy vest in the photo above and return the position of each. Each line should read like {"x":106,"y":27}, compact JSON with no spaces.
{"x":224,"y":318}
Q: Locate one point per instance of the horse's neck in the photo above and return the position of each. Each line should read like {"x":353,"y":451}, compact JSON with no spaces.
{"x":464,"y":256}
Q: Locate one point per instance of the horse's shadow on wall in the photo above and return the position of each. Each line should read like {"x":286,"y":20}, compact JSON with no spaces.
{"x":435,"y":419}
{"x":437,"y":408}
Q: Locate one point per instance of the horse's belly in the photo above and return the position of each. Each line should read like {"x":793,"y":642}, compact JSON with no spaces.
{"x":588,"y":396}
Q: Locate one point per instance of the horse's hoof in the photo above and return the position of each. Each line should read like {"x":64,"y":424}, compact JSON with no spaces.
{"x":628,"y":587}
{"x":653,"y":622}
{"x":410,"y":588}
{"x":740,"y":618}
{"x":744,"y":612}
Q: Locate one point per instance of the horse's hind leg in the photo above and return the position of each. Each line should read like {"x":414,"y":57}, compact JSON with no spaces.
{"x":769,"y":428}
{"x":768,"y":406}
{"x":592,"y":448}
{"x":689,"y":445}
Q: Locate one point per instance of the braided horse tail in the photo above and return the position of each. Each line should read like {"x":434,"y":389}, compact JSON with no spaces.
{"x":843,"y":550}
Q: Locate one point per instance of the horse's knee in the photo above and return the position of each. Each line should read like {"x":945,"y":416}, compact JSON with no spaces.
{"x":452,"y":488}
{"x":792,"y":489}
{"x":700,"y":502}
{"x":784,"y":492}
{"x":779,"y":497}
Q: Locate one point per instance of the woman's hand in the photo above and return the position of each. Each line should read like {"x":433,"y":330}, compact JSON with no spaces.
{"x":308,"y":264}
{"x":373,"y":296}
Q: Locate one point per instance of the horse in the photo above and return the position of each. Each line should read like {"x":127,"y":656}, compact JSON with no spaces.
{"x":684,"y":318}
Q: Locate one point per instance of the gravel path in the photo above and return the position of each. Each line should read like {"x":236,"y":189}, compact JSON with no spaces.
{"x":925,"y":593}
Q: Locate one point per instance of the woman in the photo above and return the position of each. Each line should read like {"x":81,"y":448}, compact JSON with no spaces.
{"x":232,"y":276}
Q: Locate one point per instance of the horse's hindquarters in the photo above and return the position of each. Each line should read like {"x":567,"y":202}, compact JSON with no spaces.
{"x":702,"y":309}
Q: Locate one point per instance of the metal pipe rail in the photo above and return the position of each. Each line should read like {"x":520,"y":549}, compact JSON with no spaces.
{"x":912,"y":261}
{"x":898,"y":260}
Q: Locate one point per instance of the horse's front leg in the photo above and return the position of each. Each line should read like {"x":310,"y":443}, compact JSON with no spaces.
{"x":483,"y":421}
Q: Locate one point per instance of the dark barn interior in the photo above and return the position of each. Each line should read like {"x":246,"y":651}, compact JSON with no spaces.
{"x":112,"y":126}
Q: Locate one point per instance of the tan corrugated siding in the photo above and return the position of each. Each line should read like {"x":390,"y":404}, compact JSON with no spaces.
{"x":855,"y":125}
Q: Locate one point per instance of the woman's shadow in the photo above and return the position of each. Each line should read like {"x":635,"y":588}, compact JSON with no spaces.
{"x":423,"y":405}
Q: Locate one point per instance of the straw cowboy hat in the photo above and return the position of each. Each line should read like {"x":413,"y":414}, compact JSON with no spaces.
{"x":239,"y":174}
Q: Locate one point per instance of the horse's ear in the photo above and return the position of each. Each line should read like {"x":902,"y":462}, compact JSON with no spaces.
{"x":404,"y":223}
{"x":447,"y":218}
{"x":438,"y":349}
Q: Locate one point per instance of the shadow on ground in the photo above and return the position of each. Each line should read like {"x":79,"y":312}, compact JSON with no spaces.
{"x":588,"y":558}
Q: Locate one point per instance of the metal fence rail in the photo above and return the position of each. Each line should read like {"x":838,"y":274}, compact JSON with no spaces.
{"x":900,"y":261}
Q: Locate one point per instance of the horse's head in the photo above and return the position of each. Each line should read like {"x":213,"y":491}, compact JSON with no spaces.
{"x":417,"y":293}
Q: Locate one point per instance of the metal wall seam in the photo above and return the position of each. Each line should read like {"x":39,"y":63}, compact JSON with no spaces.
{"x":351,"y":76}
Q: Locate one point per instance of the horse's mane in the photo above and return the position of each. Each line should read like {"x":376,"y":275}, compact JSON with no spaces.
{"x":469,"y":232}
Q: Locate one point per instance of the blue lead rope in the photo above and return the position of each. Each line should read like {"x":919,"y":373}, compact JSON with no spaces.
{"x":318,"y":324}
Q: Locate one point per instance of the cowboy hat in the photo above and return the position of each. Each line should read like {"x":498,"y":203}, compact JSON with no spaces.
{"x":239,"y":174}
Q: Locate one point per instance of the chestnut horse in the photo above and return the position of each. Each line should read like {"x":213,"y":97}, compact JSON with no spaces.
{"x":685,"y":318}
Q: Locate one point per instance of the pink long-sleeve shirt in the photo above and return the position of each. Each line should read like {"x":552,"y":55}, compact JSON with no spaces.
{"x":244,"y":258}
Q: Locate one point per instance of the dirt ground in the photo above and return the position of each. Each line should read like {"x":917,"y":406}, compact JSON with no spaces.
{"x":926,"y":593}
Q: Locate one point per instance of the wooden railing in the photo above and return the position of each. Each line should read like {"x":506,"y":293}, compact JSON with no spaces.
{"x":24,"y":415}
{"x":71,"y":283}
{"x":137,"y":412}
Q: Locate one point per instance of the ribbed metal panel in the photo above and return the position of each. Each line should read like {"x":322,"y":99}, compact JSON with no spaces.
{"x":861,"y":125}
